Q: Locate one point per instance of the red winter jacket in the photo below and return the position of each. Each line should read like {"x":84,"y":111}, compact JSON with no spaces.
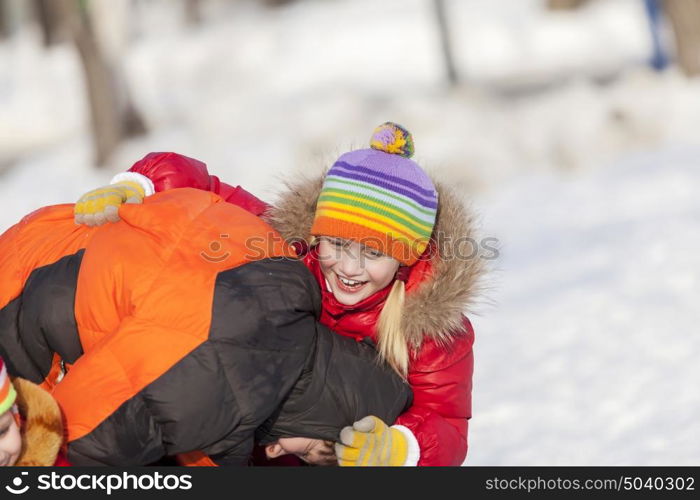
{"x":441,"y":378}
{"x":437,"y":290}
{"x":171,"y":170}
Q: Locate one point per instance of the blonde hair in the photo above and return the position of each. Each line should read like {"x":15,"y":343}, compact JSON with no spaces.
{"x":391,"y":343}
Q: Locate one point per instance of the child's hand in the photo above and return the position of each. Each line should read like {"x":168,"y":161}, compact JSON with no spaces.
{"x":370,"y":442}
{"x":101,"y":205}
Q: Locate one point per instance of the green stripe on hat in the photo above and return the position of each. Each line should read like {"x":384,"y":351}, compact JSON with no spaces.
{"x":9,"y":400}
{"x":409,"y":216}
{"x":379,"y":212}
{"x":385,"y":192}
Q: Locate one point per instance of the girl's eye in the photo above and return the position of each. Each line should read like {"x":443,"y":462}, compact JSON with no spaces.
{"x":4,"y":431}
{"x":341,"y":244}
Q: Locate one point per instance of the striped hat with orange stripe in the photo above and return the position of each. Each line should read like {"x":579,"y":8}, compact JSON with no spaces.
{"x":379,"y":197}
{"x":7,"y":390}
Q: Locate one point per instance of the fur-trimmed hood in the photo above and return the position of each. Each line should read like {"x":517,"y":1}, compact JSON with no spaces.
{"x":433,"y":308}
{"x":42,"y":431}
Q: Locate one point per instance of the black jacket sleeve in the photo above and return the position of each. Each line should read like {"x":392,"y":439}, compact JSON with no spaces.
{"x":263,"y":328}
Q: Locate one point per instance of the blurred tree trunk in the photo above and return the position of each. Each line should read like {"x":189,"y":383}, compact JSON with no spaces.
{"x":276,"y":3}
{"x":564,"y":4}
{"x":110,"y":20}
{"x":5,"y":27}
{"x":48,"y":16}
{"x":193,"y":12}
{"x":112,"y":113}
{"x":445,"y":43}
{"x":13,"y":13}
{"x":685,"y":19}
{"x":104,"y":113}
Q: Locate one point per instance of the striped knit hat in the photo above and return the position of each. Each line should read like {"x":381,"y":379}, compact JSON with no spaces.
{"x":379,"y":197}
{"x":7,"y":390}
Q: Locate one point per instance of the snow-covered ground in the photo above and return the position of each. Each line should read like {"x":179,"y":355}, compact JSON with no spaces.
{"x":590,"y":357}
{"x":588,"y":354}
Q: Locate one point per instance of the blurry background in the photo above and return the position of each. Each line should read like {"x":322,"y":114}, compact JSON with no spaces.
{"x":572,"y":127}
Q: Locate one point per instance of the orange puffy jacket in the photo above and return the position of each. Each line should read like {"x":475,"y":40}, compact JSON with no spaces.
{"x":138,"y":315}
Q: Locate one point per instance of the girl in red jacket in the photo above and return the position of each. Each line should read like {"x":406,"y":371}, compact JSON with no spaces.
{"x":393,"y":253}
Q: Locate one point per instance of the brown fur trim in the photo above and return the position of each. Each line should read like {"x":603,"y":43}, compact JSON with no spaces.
{"x":434,"y":309}
{"x":293,"y":213}
{"x":42,"y":434}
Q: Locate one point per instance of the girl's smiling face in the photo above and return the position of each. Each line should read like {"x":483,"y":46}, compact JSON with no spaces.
{"x":353,"y":271}
{"x":10,"y":440}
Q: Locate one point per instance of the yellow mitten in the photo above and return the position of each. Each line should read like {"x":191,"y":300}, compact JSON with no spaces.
{"x":102,"y":204}
{"x":370,"y":442}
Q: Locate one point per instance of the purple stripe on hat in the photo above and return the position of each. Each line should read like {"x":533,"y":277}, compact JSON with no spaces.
{"x":383,"y":184}
{"x":398,"y":180}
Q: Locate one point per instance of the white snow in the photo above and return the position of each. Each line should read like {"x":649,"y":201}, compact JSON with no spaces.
{"x":588,"y":355}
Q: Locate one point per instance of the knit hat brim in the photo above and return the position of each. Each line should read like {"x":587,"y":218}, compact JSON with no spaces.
{"x":381,"y":237}
{"x":8,"y":395}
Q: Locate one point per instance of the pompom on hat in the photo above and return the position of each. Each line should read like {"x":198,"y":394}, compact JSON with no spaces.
{"x":8,"y":395}
{"x":379,"y":197}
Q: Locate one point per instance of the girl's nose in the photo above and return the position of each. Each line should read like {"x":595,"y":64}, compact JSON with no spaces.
{"x":350,"y":265}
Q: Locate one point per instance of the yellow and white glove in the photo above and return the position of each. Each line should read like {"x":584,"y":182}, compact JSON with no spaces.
{"x":101,"y":205}
{"x":370,"y":442}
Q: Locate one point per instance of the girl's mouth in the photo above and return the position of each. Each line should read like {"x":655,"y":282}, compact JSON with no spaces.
{"x":349,"y":286}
